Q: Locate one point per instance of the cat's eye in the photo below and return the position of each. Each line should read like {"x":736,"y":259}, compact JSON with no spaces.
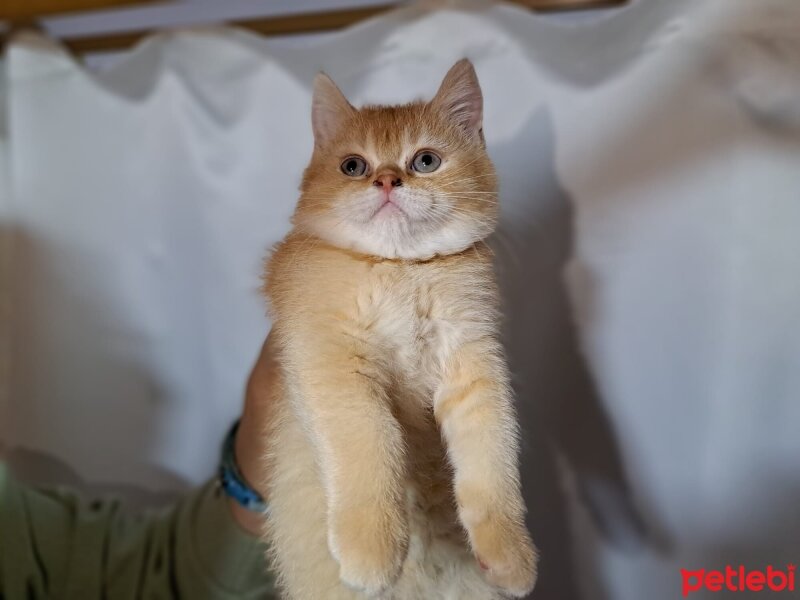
{"x":426,"y":161}
{"x":354,"y":166}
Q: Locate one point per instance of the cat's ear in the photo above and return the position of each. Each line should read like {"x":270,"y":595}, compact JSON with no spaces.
{"x":460,"y":98}
{"x":329,"y":108}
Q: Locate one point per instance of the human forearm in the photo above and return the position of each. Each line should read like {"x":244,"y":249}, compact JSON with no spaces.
{"x":57,"y":544}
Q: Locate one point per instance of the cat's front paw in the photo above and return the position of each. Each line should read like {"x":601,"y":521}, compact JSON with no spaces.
{"x":370,"y":547}
{"x":506,"y":554}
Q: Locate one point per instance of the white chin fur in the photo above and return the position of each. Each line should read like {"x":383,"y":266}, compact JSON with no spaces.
{"x":395,"y":241}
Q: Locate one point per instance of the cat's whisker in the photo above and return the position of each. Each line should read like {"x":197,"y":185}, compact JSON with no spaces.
{"x":470,"y":196}
{"x":466,"y":177}
{"x":505,"y":243}
{"x":469,"y":199}
{"x":475,"y":159}
{"x":463,"y":194}
{"x":459,"y":174}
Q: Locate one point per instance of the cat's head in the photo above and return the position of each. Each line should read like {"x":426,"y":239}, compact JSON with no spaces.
{"x":409,"y":181}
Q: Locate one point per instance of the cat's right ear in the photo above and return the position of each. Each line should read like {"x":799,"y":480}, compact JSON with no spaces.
{"x":329,"y":108}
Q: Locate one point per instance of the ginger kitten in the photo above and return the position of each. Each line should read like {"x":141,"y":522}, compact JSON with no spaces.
{"x":393,"y":470}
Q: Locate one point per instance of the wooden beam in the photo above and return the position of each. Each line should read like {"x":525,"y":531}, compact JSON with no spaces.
{"x":269,"y":26}
{"x":25,"y":10}
{"x":311,"y":22}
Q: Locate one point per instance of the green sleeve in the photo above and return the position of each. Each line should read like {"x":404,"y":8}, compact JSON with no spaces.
{"x":53,"y":545}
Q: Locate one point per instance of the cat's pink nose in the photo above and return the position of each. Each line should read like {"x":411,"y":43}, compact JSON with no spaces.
{"x":387,"y":181}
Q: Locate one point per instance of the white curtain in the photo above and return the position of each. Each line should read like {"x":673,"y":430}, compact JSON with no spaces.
{"x":649,"y":256}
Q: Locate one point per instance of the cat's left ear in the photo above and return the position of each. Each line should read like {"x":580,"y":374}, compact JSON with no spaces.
{"x":329,"y":108}
{"x":460,"y":97}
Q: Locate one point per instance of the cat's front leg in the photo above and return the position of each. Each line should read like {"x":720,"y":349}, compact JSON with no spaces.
{"x":474,"y":408}
{"x":362,"y":461}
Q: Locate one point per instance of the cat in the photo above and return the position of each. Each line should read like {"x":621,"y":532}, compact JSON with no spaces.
{"x":393,"y":462}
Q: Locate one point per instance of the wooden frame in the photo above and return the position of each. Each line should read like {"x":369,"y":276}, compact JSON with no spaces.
{"x":26,"y":11}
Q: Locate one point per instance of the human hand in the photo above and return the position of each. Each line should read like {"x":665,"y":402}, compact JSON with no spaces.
{"x":251,"y":438}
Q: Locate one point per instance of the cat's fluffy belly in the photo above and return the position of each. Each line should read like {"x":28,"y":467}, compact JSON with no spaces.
{"x":409,"y":313}
{"x":396,"y":324}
